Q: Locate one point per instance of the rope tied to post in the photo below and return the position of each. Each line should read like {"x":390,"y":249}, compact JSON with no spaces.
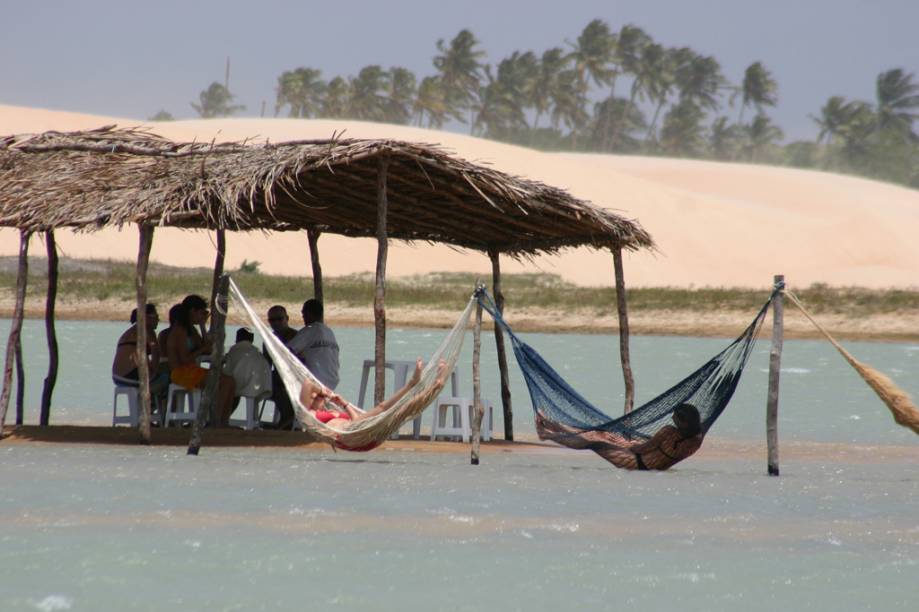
{"x":898,"y":401}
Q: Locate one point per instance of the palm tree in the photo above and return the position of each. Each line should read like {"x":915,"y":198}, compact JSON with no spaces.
{"x":897,"y":103}
{"x":857,"y":134}
{"x":431,"y":100}
{"x":337,"y":99}
{"x":550,"y":66}
{"x":835,"y":114}
{"x":401,"y":95}
{"x":681,"y":133}
{"x":659,"y":86}
{"x":629,"y":46}
{"x":758,"y":89}
{"x":723,"y":139}
{"x":760,"y":134}
{"x":627,"y":119}
{"x":162,"y":115}
{"x":503,"y":100}
{"x":592,"y":53}
{"x":301,"y":89}
{"x":216,"y":101}
{"x":698,"y":78}
{"x":460,"y":71}
{"x":368,"y":94}
{"x":568,"y":104}
{"x":650,"y":73}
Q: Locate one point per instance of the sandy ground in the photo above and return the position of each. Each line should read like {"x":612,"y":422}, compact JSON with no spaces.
{"x":902,"y":326}
{"x":716,"y":224}
{"x":714,"y":448}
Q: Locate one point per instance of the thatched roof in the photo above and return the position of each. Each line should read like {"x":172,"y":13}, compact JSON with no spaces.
{"x":112,"y":177}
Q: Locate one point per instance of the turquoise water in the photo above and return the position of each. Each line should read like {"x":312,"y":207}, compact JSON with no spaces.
{"x":822,"y":397}
{"x":86,"y":527}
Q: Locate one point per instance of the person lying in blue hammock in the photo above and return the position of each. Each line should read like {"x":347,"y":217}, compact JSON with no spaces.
{"x":667,"y":447}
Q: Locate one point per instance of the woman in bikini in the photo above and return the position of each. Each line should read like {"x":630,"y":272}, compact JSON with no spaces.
{"x":318,"y":399}
{"x":185,"y":345}
{"x":667,"y":447}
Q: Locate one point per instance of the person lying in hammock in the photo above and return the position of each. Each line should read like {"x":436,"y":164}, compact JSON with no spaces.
{"x":670,"y":445}
{"x":316,"y":398}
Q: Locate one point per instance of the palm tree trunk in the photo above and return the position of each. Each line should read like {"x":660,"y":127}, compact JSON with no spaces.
{"x":625,"y":113}
{"x":657,"y":112}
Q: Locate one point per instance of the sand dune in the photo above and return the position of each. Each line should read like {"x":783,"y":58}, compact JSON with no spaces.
{"x":716,"y":224}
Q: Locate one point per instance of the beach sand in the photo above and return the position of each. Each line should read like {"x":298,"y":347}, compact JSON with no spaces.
{"x":895,"y":326}
{"x":715,"y":224}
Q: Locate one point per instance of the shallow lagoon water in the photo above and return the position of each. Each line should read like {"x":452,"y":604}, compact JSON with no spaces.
{"x":131,"y":528}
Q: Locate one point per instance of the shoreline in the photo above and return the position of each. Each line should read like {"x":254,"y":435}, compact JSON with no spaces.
{"x":902,"y":326}
{"x":716,"y":448}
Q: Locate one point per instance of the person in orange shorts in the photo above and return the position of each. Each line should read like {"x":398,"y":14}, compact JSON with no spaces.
{"x":184,"y":345}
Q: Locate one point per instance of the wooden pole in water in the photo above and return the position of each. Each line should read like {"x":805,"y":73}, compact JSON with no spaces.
{"x":478,"y":411}
{"x":379,"y":299}
{"x":20,"y":383}
{"x":16,"y":325}
{"x":775,"y":365}
{"x":209,"y":396}
{"x":622,"y":309}
{"x":140,"y":355}
{"x":499,"y":345}
{"x":312,"y":235}
{"x":50,"y":331}
{"x":219,"y":260}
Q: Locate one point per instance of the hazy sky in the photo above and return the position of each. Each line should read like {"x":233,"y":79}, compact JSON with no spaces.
{"x":132,"y":59}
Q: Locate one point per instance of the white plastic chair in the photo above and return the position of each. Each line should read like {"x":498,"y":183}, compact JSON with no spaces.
{"x":133,"y":416}
{"x":181,"y":405}
{"x":459,"y":424}
{"x":254,"y":407}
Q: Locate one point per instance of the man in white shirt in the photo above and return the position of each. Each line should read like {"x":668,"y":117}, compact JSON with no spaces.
{"x":315,"y":345}
{"x":249,"y":369}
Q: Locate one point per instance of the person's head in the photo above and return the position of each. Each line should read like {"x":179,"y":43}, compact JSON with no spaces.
{"x":313,"y":396}
{"x":277,"y":318}
{"x":312,"y":311}
{"x":196,"y":309}
{"x":153,"y":318}
{"x":687,"y":421}
{"x":174,"y":313}
{"x":244,"y":335}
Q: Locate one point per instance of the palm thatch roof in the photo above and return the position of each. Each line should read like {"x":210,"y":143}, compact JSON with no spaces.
{"x":112,"y":177}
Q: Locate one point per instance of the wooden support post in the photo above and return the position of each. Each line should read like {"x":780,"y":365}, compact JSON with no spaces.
{"x":775,"y":366}
{"x":50,"y":331}
{"x":209,"y":397}
{"x":140,"y":355}
{"x":219,"y":260}
{"x":379,"y":299}
{"x":20,"y":383}
{"x":478,"y":410}
{"x":16,"y":325}
{"x":499,"y":345}
{"x":623,"y":311}
{"x":312,"y":235}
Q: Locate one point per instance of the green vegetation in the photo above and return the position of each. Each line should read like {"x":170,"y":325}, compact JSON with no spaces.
{"x":676,"y":103}
{"x":101,"y":280}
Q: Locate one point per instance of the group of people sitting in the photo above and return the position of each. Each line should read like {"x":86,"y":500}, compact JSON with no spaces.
{"x":175,"y":355}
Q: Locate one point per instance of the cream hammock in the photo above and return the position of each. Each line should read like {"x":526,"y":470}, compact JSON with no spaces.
{"x":367,"y":433}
